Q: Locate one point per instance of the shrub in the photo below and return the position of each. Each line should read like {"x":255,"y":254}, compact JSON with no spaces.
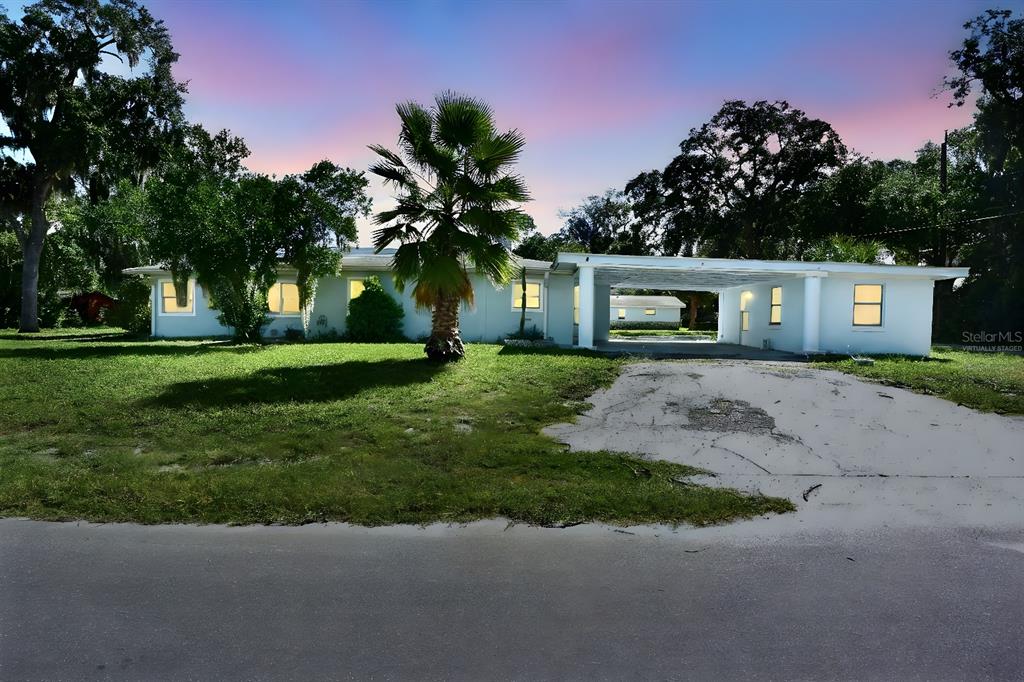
{"x":293,"y":334}
{"x":644,"y":324}
{"x":374,"y":316}
{"x":132,"y":311}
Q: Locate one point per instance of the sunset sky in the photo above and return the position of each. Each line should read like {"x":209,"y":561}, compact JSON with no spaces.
{"x":602,"y":90}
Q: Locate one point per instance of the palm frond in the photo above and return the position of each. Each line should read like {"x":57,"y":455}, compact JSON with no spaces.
{"x":396,"y":175}
{"x":494,"y":153}
{"x":441,"y":276}
{"x":406,"y":263}
{"x":493,"y":225}
{"x":462,"y":121}
{"x":510,"y":188}
{"x":390,"y":156}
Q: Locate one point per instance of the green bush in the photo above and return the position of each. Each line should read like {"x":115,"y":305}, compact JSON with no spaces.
{"x":374,"y":316}
{"x":644,"y":324}
{"x":132,"y":311}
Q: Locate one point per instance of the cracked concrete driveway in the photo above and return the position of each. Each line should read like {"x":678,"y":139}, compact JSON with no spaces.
{"x":881,"y":455}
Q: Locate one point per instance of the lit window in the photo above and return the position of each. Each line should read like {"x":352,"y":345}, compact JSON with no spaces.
{"x":355,"y":287}
{"x":745,"y":317}
{"x":867,"y":305}
{"x":170,"y":300}
{"x":776,"y":306}
{"x":576,"y":304}
{"x":532,"y":296}
{"x":622,"y":313}
{"x":283,"y":298}
{"x":650,"y":311}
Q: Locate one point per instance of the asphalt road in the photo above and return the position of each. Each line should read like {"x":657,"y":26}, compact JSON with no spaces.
{"x":79,"y":601}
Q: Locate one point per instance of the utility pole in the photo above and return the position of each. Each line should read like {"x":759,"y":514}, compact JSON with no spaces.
{"x":942,"y":293}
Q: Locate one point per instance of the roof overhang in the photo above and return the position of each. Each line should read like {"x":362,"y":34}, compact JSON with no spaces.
{"x":715,"y":274}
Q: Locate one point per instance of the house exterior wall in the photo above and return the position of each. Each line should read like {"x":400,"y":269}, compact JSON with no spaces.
{"x":560,"y":309}
{"x":906,"y":317}
{"x":202,"y":321}
{"x":636,"y":314}
{"x":905,"y":328}
{"x":786,"y":336}
{"x":490,"y":318}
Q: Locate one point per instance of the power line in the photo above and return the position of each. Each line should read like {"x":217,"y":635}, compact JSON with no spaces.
{"x":966,"y":221}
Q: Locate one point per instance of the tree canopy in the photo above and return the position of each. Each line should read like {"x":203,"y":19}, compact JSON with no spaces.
{"x":69,"y":116}
{"x":234,"y":230}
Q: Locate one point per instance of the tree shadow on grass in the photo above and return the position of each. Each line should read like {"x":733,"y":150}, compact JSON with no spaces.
{"x":551,"y":351}
{"x":309,"y":384}
{"x":88,"y":351}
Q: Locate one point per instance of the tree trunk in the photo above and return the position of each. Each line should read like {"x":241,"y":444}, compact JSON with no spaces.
{"x":445,"y":344}
{"x":32,"y":251}
{"x":694,"y":298}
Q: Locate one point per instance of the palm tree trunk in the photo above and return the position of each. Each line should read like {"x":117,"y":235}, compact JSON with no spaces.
{"x":445,"y":344}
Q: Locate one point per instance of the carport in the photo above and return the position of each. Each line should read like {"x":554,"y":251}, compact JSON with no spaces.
{"x":794,"y":306}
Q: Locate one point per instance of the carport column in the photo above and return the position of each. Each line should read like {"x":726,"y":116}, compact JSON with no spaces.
{"x":812,"y":313}
{"x":586,"y":330}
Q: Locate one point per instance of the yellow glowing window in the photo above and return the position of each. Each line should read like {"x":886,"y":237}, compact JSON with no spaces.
{"x":776,"y":306}
{"x":867,"y":305}
{"x":355,"y":287}
{"x":622,"y":313}
{"x":576,"y":304}
{"x":169,"y":301}
{"x":532,"y":296}
{"x":650,"y":311}
{"x":745,"y":317}
{"x":283,"y":298}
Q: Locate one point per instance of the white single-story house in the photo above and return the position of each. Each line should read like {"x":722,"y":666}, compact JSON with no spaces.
{"x":801,"y":307}
{"x":626,"y":308}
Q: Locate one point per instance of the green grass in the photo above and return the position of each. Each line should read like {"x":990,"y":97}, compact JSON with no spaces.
{"x":661,"y":332}
{"x":993,"y":382}
{"x":94,"y":425}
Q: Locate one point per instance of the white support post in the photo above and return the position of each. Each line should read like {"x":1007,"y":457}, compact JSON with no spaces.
{"x":586,"y":329}
{"x":812,"y":314}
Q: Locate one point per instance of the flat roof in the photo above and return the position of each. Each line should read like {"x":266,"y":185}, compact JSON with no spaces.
{"x":714,"y":274}
{"x":359,"y":259}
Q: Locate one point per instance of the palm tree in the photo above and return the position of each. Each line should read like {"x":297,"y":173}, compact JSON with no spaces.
{"x":456,"y":199}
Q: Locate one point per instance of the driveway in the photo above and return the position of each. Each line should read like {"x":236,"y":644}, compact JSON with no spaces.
{"x":859,"y":451}
{"x":692,"y":349}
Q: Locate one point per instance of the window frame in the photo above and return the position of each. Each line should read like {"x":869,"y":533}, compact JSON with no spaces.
{"x":160,"y":298}
{"x":772,"y":305}
{"x":880,"y":304}
{"x":516,"y":300}
{"x":280,"y":284}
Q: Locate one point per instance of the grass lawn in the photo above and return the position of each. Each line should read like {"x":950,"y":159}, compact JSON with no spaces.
{"x":661,"y":332}
{"x":993,"y":382}
{"x":97,"y":426}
